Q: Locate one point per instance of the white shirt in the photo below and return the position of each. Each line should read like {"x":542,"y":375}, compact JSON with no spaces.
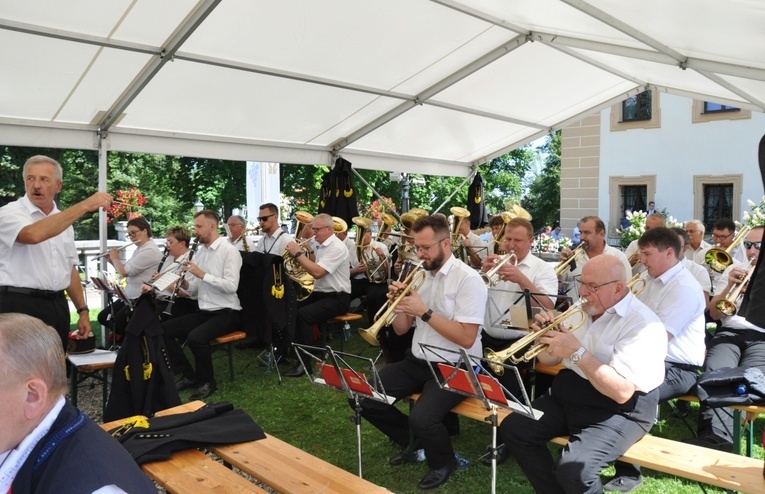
{"x":738,"y":255}
{"x":140,"y":267}
{"x":478,"y":246}
{"x":630,"y":338}
{"x":698,"y":272}
{"x":735,"y":321}
{"x":333,"y":256}
{"x":44,"y":266}
{"x":221,"y":263}
{"x":458,"y":293}
{"x":501,"y":297}
{"x":677,"y":299}
{"x":690,"y":252}
{"x":274,"y":244}
{"x":239,"y":243}
{"x":574,"y":274}
{"x":371,"y":250}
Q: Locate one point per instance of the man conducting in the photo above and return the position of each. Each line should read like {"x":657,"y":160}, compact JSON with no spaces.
{"x":605,"y":399}
{"x":448,"y":310}
{"x":38,"y":258}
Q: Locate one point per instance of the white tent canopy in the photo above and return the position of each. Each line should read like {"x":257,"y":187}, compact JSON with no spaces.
{"x":433,"y":87}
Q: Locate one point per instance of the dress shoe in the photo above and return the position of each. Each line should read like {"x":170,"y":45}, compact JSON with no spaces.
{"x":186,"y":383}
{"x":501,"y":457}
{"x":296,"y":371}
{"x":623,"y":483}
{"x":434,"y":478}
{"x":401,"y":458}
{"x":712,"y":441}
{"x":204,"y":391}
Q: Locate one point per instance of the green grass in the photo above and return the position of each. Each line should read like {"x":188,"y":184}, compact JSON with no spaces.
{"x":317,"y":420}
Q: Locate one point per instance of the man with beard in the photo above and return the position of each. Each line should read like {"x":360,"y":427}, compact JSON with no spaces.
{"x":448,"y":310}
{"x":605,"y":399}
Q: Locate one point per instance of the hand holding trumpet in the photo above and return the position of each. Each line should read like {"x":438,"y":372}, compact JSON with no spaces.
{"x":411,"y":304}
{"x":561,"y":342}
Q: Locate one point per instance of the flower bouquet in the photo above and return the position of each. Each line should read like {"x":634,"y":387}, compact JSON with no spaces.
{"x":126,"y":204}
{"x":757,"y":216}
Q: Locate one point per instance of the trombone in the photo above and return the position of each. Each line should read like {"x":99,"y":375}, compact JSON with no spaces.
{"x":729,"y":304}
{"x":570,"y":263}
{"x":496,"y":358}
{"x":719,"y":259}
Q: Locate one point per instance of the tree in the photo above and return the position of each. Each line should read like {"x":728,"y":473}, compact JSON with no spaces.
{"x":503,"y":178}
{"x":543,"y":201}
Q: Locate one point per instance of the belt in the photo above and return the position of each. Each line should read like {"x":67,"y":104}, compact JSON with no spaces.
{"x":32,"y":292}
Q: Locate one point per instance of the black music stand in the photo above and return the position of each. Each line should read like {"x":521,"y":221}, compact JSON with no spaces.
{"x":335,"y":371}
{"x":467,"y":375}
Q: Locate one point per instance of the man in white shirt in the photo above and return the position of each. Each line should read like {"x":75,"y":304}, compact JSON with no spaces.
{"x":605,"y":399}
{"x":38,"y":258}
{"x":676,"y":297}
{"x":235,"y":229}
{"x":632,"y":253}
{"x":332,"y":285}
{"x":723,"y":234}
{"x":696,"y":243}
{"x":274,"y":239}
{"x":473,"y":250}
{"x":213,"y":277}
{"x":46,"y":444}
{"x":448,"y":310}
{"x":699,"y":273}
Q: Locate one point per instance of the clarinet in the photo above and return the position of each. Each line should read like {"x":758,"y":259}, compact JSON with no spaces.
{"x":162,"y":261}
{"x":169,"y":309}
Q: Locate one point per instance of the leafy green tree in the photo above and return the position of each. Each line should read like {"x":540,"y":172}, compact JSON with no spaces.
{"x":543,"y":201}
{"x":503,"y":178}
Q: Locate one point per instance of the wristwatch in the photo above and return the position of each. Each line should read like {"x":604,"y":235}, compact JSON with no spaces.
{"x":577,"y":355}
{"x":83,"y":309}
{"x":426,"y":317}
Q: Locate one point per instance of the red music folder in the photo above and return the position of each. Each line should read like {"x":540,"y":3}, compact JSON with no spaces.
{"x":356,"y":381}
{"x":461,"y":382}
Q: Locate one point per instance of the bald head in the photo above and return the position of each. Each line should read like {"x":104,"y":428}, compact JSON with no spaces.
{"x":604,"y":268}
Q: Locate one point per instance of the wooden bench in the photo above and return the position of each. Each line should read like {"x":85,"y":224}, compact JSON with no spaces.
{"x":718,"y":468}
{"x":93,"y":365}
{"x":226,"y":345}
{"x":335,"y":323}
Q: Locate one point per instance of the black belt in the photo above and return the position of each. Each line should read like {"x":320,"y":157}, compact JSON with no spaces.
{"x":685,"y":367}
{"x":32,"y":292}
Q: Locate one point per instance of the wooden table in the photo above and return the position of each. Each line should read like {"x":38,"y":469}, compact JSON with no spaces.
{"x":94,"y":365}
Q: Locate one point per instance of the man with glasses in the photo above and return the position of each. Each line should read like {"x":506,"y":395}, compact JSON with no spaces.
{"x":274,"y":239}
{"x":332,"y":286}
{"x":737,"y":343}
{"x":605,"y":399}
{"x":38,"y":258}
{"x":696,"y":243}
{"x":235,"y":226}
{"x":723,"y":234}
{"x":676,"y":297}
{"x":448,"y":311}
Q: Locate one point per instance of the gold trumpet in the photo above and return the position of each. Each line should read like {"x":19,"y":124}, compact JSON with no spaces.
{"x":496,"y":358}
{"x":564,"y":266}
{"x":491,"y":277}
{"x":729,"y":304}
{"x":719,"y":259}
{"x":385,"y":316}
{"x":637,"y":283}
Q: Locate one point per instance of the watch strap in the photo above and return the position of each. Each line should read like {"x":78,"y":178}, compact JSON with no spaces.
{"x":426,"y":317}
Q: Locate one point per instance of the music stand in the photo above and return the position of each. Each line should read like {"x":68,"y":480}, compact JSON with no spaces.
{"x":467,"y":375}
{"x":104,"y":285}
{"x":335,"y":371}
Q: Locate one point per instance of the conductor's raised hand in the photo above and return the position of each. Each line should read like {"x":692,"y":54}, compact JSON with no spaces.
{"x":97,"y":200}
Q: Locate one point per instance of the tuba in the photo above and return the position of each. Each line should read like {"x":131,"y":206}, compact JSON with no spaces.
{"x":388,"y":222}
{"x":339,"y":225}
{"x":510,"y":352}
{"x":719,"y":259}
{"x":460,"y":214}
{"x":303,"y":280}
{"x":728,"y":305}
{"x":366,"y":253}
{"x":414,"y":279}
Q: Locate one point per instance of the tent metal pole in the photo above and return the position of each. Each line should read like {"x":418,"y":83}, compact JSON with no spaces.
{"x":469,"y":177}
{"x":382,"y":201}
{"x":102,"y":155}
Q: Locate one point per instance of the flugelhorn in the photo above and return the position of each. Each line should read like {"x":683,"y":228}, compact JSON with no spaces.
{"x":729,"y":304}
{"x":491,"y":277}
{"x":496,"y":358}
{"x":637,"y":283}
{"x":385,"y":316}
{"x":570,"y":263}
{"x":719,"y":259}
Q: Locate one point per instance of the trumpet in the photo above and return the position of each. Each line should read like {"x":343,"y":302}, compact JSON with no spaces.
{"x":719,"y":259}
{"x":496,"y":358}
{"x":491,"y":277}
{"x":637,"y":283}
{"x":570,"y":263}
{"x":385,"y":316}
{"x":729,"y":304}
{"x":106,"y":253}
{"x":634,"y":259}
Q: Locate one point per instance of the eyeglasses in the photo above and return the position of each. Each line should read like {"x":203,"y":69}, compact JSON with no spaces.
{"x":594,"y":288}
{"x":719,"y":235}
{"x":425,"y":248}
{"x":317,"y":228}
{"x":690,"y":232}
{"x":133,"y":233}
{"x":264,"y":218}
{"x":748,"y":245}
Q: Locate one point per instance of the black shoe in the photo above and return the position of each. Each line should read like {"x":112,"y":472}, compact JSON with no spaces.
{"x":186,"y":383}
{"x":204,"y":391}
{"x":501,"y":457}
{"x":401,"y":458}
{"x":434,"y":478}
{"x":712,"y":441}
{"x":623,"y":484}
{"x":296,"y":371}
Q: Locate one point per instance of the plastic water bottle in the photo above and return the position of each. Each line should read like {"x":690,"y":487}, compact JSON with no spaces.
{"x":419,"y":455}
{"x":462,"y":463}
{"x":267,"y":361}
{"x":741,"y":390}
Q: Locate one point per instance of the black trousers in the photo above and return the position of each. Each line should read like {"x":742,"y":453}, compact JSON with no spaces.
{"x":600,"y":431}
{"x":53,"y":311}
{"x":401,"y":379}
{"x":198,"y":329}
{"x":318,"y":309}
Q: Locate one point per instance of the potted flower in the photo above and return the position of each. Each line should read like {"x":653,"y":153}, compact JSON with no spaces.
{"x":126,"y":204}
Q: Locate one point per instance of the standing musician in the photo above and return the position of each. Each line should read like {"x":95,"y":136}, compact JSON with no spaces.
{"x":214,"y":280}
{"x":235,"y":226}
{"x":676,"y":297}
{"x":593,"y":235}
{"x":177,"y":251}
{"x":607,"y":396}
{"x":332,"y":285}
{"x":737,"y":343}
{"x":274,"y":239}
{"x":448,"y":311}
{"x":475,"y":248}
{"x":38,"y":258}
{"x":530,"y":273}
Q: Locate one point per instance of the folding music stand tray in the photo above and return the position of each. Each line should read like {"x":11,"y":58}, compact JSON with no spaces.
{"x":479,"y":384}
{"x":334,"y":371}
{"x":106,"y":287}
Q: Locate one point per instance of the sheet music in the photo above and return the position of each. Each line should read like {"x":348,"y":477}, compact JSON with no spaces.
{"x":165,"y":281}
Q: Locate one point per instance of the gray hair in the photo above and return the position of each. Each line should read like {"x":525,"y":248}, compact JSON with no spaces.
{"x":324,"y":219}
{"x":30,"y":348}
{"x":697,"y":223}
{"x":39,"y":158}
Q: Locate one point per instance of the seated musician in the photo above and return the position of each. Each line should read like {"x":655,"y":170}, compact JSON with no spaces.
{"x":723,"y":234}
{"x":275,"y":239}
{"x":632,"y":252}
{"x":475,"y":250}
{"x":530,"y":273}
{"x":606,"y":398}
{"x":448,"y":311}
{"x":696,"y":243}
{"x":137,"y":270}
{"x":235,"y":228}
{"x":177,"y":241}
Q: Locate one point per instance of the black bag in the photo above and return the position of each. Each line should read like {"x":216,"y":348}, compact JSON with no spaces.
{"x":731,"y":386}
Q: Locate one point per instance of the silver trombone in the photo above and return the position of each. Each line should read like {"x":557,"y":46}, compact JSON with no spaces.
{"x":104,"y":254}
